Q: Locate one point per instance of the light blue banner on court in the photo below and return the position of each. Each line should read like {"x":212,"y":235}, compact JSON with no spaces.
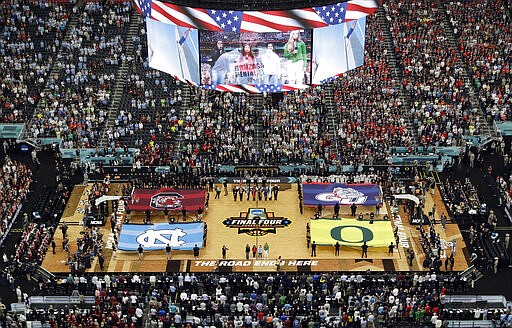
{"x":180,"y":236}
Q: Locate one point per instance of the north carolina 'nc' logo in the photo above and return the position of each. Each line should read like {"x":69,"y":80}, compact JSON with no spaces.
{"x":343,"y":196}
{"x":156,"y":238}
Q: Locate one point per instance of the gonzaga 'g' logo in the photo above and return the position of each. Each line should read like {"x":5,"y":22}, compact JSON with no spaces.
{"x":166,"y":200}
{"x":344,"y":196}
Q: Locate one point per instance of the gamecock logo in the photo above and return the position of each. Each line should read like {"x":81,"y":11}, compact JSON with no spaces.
{"x":344,"y":196}
{"x":167,"y":200}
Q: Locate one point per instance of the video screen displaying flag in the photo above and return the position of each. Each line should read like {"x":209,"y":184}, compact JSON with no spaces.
{"x":255,"y":58}
{"x":256,"y":51}
{"x":346,"y":41}
{"x":174,"y":50}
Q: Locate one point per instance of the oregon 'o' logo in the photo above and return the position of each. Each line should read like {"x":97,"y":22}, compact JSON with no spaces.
{"x":365,"y":236}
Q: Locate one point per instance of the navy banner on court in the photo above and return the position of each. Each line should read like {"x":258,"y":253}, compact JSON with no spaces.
{"x":180,"y":236}
{"x":328,"y":194}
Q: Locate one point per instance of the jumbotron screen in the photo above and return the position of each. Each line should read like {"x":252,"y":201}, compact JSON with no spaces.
{"x":228,"y":60}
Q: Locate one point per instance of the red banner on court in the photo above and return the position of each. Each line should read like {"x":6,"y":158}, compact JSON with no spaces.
{"x":167,"y":198}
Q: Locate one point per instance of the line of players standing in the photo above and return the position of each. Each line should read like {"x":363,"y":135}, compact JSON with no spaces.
{"x":253,"y":190}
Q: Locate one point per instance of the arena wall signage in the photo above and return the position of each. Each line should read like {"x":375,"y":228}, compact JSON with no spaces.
{"x":256,"y":51}
{"x":256,"y":222}
{"x":180,"y":236}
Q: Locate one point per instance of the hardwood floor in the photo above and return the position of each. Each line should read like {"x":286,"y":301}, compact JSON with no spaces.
{"x":288,"y":243}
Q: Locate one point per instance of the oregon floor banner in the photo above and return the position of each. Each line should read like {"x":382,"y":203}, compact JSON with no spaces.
{"x":181,"y":236}
{"x":351,"y":232}
{"x":343,"y":194}
{"x":167,"y":198}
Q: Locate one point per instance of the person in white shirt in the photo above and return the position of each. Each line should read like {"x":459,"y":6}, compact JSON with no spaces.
{"x":271,"y":66}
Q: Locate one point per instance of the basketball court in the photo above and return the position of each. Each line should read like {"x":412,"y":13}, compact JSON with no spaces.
{"x":279,"y":223}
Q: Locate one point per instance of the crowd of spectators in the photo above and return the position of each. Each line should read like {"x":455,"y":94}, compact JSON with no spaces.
{"x":484,"y":34}
{"x":33,"y":244}
{"x":15,"y":182}
{"x":295,"y":128}
{"x":148,"y":117}
{"x":432,"y":76}
{"x":31,"y":33}
{"x":75,"y":106}
{"x":255,"y":300}
{"x":371,"y":117}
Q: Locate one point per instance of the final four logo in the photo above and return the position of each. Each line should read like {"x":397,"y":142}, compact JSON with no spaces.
{"x":343,"y":196}
{"x":166,"y":200}
{"x":256,"y":222}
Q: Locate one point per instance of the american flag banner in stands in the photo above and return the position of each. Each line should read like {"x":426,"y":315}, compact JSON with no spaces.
{"x":256,"y":21}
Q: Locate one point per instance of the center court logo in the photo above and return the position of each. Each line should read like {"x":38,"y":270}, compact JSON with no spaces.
{"x":256,"y":222}
{"x":343,"y":196}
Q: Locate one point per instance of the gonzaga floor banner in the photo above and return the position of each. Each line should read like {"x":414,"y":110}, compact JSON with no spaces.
{"x":343,"y":194}
{"x":181,"y":236}
{"x":167,"y":198}
{"x":351,"y":232}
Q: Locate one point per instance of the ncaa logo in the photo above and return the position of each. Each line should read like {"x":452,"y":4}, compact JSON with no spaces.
{"x":343,"y":196}
{"x":166,"y":200}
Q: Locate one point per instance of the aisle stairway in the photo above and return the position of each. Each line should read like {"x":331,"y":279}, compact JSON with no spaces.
{"x":121,"y":78}
{"x":396,"y":71}
{"x":332,"y":116}
{"x":259,"y":133}
{"x":486,"y":128}
{"x":53,"y":75}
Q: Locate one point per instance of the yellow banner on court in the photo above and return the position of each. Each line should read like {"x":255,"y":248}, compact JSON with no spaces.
{"x":351,"y":232}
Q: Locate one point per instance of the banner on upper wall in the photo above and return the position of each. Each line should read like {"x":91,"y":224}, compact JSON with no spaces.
{"x":180,"y":236}
{"x":328,"y":194}
{"x":351,"y":232}
{"x":254,"y":52}
{"x":167,"y":198}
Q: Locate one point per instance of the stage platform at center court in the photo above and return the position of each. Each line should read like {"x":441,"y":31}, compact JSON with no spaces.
{"x":287,"y":242}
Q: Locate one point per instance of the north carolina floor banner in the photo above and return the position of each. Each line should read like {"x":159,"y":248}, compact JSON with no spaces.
{"x":180,"y":236}
{"x":167,"y":198}
{"x":329,"y":194}
{"x":351,"y":232}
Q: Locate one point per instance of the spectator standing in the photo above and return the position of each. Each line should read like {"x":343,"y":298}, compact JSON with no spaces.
{"x":140,"y":251}
{"x":196,"y":252}
{"x":313,"y":249}
{"x":364,"y":250}
{"x":391,"y":247}
{"x":337,"y":210}
{"x":168,"y":251}
{"x":224,"y":252}
{"x":353,"y":209}
{"x":64,"y":229}
{"x":247,"y":251}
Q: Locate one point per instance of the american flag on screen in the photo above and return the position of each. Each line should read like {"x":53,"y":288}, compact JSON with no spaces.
{"x":256,"y":21}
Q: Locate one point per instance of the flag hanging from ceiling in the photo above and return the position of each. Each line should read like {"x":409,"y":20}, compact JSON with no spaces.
{"x":255,"y":21}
